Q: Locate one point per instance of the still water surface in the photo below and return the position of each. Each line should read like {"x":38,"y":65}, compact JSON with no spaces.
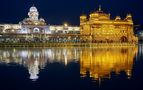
{"x":71,"y":68}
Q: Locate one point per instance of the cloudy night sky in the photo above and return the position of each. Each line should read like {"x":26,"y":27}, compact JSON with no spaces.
{"x":60,"y":11}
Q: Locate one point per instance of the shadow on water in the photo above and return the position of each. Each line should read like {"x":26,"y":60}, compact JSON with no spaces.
{"x":71,"y":68}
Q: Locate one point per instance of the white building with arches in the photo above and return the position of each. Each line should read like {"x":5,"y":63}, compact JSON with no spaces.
{"x":35,"y":29}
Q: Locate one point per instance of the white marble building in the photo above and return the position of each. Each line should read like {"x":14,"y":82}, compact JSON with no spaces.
{"x":35,"y":27}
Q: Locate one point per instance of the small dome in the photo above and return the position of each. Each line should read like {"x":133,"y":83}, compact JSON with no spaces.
{"x":118,"y":18}
{"x":129,"y":16}
{"x":33,"y":9}
{"x":94,"y":14}
{"x":83,"y":17}
{"x":41,"y":19}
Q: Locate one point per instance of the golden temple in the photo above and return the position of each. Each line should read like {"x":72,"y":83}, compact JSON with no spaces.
{"x":99,"y":28}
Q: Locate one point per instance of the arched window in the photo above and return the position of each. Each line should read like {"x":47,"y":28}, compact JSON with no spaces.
{"x":36,"y":30}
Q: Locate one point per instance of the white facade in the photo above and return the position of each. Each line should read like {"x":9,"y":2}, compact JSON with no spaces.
{"x":35,"y":29}
{"x":34,"y":24}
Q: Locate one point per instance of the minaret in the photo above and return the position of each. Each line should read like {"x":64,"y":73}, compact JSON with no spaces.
{"x":33,"y":13}
{"x":83,"y":19}
{"x":99,"y":9}
{"x":129,"y":18}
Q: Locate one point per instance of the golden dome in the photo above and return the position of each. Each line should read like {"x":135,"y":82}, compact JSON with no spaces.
{"x":117,"y":18}
{"x":83,"y":17}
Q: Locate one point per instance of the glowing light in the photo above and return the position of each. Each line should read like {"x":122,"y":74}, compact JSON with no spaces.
{"x":65,"y":24}
{"x":70,"y":28}
{"x":76,"y":28}
{"x":23,"y":31}
{"x":59,"y":28}
{"x":47,"y":31}
{"x":24,"y":54}
{"x":52,"y":28}
{"x":12,"y":30}
{"x":36,"y":30}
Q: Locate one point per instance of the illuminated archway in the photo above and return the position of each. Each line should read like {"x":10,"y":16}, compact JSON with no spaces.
{"x":124,"y":39}
{"x":36,"y":30}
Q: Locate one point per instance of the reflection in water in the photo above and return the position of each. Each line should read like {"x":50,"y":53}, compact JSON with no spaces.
{"x":34,"y":70}
{"x":99,"y":63}
{"x":35,"y":59}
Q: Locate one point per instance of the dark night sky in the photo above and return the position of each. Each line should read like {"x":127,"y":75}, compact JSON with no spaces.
{"x":59,"y":11}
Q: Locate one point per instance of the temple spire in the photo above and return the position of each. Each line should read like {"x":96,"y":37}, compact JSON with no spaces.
{"x":33,"y":5}
{"x":99,"y":7}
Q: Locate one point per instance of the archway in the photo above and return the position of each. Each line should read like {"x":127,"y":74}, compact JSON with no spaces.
{"x":124,"y":39}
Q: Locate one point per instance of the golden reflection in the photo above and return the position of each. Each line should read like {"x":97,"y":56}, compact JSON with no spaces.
{"x":100,"y":62}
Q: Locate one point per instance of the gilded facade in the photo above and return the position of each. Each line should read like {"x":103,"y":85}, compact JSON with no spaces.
{"x":99,"y":28}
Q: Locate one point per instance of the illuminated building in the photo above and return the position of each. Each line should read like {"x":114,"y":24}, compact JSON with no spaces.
{"x":100,"y":62}
{"x":99,"y":28}
{"x":140,"y":36}
{"x":35,"y":29}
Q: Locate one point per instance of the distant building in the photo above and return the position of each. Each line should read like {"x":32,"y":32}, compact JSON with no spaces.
{"x":33,"y":29}
{"x":140,"y":36}
{"x":100,"y":28}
